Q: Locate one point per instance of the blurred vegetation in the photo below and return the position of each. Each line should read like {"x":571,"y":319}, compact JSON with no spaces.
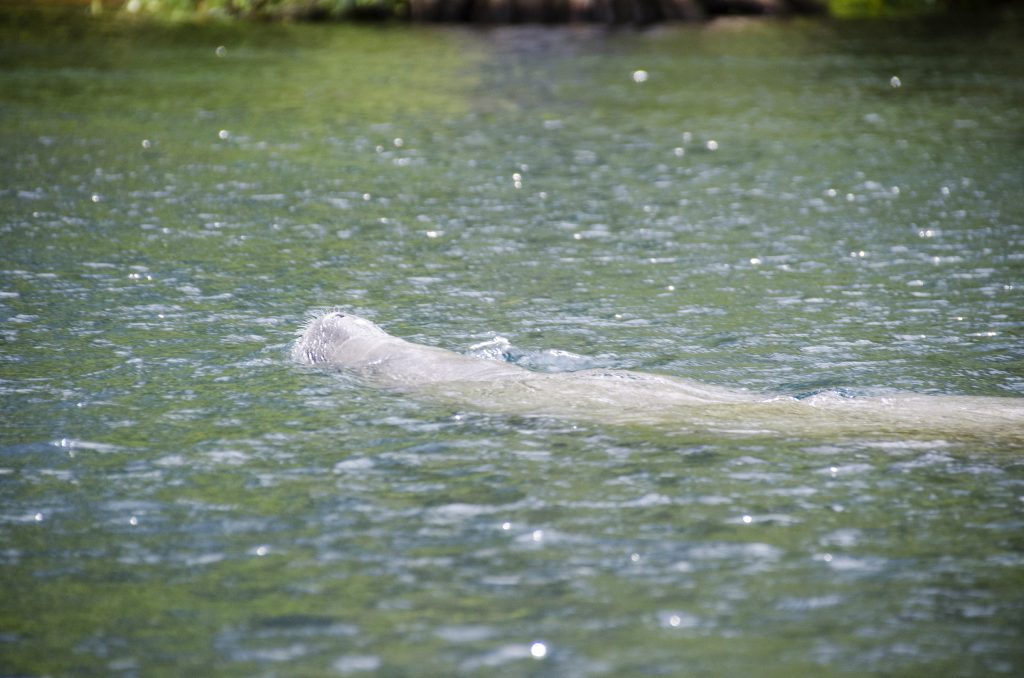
{"x":515,"y":11}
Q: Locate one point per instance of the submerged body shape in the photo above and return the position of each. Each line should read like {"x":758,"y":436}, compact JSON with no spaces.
{"x":628,"y":397}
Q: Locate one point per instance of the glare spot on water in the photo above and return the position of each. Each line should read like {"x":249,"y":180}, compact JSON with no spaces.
{"x":133,"y":521}
{"x":537,"y":536}
{"x":634,"y":557}
{"x":755,"y":261}
{"x":38,"y":517}
{"x":747,"y":520}
{"x":224,"y":134}
{"x":640,"y":76}
{"x":926,"y":233}
{"x":670,"y":288}
{"x":506,"y":526}
{"x":538,"y":650}
{"x":434,"y":234}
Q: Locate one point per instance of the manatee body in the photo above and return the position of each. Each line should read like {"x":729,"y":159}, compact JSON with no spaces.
{"x":627,"y":397}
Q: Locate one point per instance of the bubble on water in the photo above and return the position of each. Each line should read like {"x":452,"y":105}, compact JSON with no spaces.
{"x":895,"y":82}
{"x":133,"y":521}
{"x":262,"y":550}
{"x":537,"y":535}
{"x":679,"y":151}
{"x":747,"y":519}
{"x":146,"y":143}
{"x":506,"y":526}
{"x":398,"y":142}
{"x":96,"y":197}
{"x":38,"y":517}
{"x":712,"y":145}
{"x":640,"y":76}
{"x":538,"y":650}
{"x":221,"y":51}
{"x":224,"y":134}
{"x":755,"y":261}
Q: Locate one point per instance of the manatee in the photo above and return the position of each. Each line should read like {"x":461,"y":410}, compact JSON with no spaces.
{"x":626,"y":397}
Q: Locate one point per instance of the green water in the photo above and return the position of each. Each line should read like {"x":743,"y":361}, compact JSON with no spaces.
{"x":177,"y":496}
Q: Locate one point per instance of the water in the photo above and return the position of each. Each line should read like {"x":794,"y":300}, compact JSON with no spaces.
{"x":176,"y":494}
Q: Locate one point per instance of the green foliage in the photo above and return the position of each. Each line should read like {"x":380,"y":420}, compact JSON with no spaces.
{"x":267,"y":9}
{"x":884,"y":8}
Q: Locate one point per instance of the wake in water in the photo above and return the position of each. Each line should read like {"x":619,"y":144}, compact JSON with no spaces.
{"x":488,"y":382}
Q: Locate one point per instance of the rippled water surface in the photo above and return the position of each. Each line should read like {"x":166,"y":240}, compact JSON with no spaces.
{"x":783,"y":208}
